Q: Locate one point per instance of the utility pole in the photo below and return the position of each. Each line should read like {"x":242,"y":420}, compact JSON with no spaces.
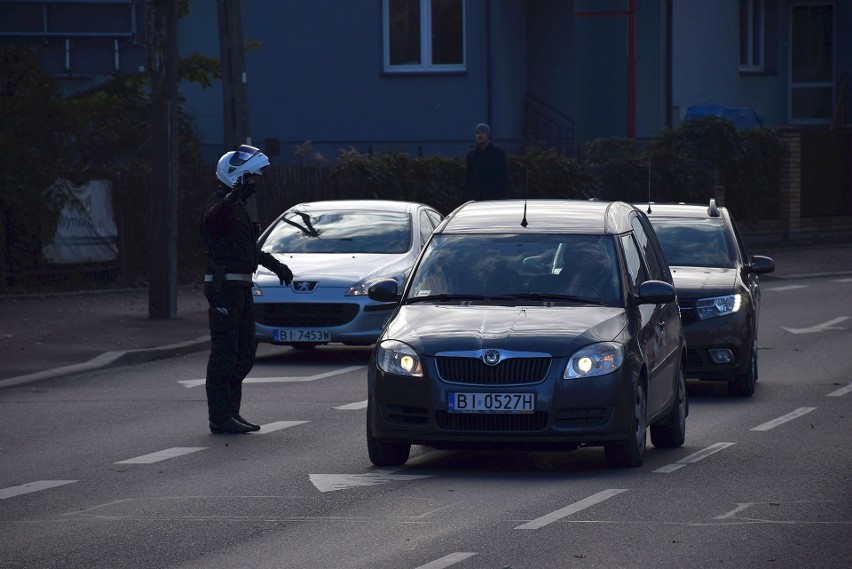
{"x":163,"y":206}
{"x":234,"y":88}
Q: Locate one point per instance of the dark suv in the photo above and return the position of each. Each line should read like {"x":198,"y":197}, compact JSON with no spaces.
{"x":531,"y":326}
{"x":718,"y":289}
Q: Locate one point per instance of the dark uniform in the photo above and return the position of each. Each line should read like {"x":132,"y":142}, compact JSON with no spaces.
{"x":486,"y":175}
{"x":230,"y":241}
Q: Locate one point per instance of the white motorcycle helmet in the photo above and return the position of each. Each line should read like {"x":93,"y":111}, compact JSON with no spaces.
{"x":237,"y":163}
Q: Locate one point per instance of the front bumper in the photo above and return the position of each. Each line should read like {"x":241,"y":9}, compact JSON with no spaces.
{"x":733,"y":332}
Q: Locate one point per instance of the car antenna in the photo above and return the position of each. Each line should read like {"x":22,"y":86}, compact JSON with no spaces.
{"x":649,"y":183}
{"x":526,"y":191}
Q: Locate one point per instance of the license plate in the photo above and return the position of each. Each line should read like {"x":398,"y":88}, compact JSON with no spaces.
{"x":300,"y":335}
{"x":490,"y":402}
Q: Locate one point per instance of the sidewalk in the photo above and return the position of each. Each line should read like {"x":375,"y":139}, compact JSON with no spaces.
{"x":55,"y":335}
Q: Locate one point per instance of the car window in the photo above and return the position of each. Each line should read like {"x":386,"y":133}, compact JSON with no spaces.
{"x":635,"y":270}
{"x":435,"y":217}
{"x":655,"y":271}
{"x":426,"y":227}
{"x":696,"y":242}
{"x":334,"y":231}
{"x":503,"y":265}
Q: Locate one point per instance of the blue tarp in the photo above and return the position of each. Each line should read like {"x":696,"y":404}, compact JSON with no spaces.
{"x":742,"y":117}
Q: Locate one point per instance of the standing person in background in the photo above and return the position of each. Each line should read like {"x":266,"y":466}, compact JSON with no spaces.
{"x":486,"y":175}
{"x":230,"y":242}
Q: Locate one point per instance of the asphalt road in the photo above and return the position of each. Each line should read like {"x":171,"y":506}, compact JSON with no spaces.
{"x":116,"y":468}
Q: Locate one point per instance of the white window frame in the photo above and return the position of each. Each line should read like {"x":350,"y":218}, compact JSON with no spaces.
{"x":426,"y":65}
{"x":754,"y":63}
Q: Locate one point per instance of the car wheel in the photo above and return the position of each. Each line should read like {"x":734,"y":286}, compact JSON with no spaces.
{"x":632,"y":451}
{"x":743,"y":385}
{"x":384,"y":453}
{"x":673,"y":432}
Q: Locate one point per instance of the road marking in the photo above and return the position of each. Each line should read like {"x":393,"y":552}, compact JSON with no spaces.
{"x":841,"y":392}
{"x":278,"y":425}
{"x":161,"y":455}
{"x":332,"y":482}
{"x":788,"y":287}
{"x":447,"y":560}
{"x":740,"y":508}
{"x":784,"y":418}
{"x":830,"y":325}
{"x":849,"y":280}
{"x":29,"y":487}
{"x":693,"y":458}
{"x":356,"y":405}
{"x":572,"y":509}
{"x":196,"y":382}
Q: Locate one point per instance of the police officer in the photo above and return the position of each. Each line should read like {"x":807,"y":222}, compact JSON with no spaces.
{"x":230,"y":242}
{"x":486,"y":174}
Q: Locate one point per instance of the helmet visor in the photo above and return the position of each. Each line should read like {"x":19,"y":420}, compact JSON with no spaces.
{"x":242,"y":155}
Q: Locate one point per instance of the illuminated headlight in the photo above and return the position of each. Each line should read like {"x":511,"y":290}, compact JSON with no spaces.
{"x":398,"y":358}
{"x":707,"y":308}
{"x":594,"y":360}
{"x":359,"y":289}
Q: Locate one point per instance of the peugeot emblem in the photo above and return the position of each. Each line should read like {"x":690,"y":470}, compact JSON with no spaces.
{"x":491,"y":357}
{"x":304,"y":286}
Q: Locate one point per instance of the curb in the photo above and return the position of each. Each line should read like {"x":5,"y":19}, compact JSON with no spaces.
{"x":113,"y":359}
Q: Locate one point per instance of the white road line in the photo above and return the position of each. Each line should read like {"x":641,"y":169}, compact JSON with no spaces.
{"x":161,"y":455}
{"x":29,"y":487}
{"x":841,"y":392}
{"x":693,"y":458}
{"x":196,"y":382}
{"x":784,"y":418}
{"x":278,"y":425}
{"x":446,"y":560}
{"x":572,"y":509}
{"x":830,"y":325}
{"x":356,"y":405}
{"x":787,"y":287}
{"x":849,"y":280}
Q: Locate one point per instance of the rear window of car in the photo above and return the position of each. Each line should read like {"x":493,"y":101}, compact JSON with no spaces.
{"x":340,"y":232}
{"x":696,"y":242}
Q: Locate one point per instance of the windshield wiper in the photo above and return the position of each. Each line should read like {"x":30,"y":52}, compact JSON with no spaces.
{"x":444,"y":297}
{"x":543,"y":296}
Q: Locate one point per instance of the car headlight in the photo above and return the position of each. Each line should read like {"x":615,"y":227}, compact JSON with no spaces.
{"x":717,"y":306}
{"x":398,"y":358}
{"x":362,"y":288}
{"x":594,"y":360}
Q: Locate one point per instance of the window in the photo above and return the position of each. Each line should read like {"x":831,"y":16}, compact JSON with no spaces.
{"x":424,"y":35}
{"x":752,"y":35}
{"x":812,"y":63}
{"x":654,"y":269}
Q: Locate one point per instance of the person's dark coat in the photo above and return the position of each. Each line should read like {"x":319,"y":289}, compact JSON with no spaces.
{"x":486,"y":175}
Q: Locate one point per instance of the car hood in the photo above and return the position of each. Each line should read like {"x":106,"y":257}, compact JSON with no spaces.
{"x":557,"y":330}
{"x":694,"y":282}
{"x":338,"y":269}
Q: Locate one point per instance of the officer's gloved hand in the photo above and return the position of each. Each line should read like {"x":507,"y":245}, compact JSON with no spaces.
{"x":284,"y":274}
{"x":236,"y":195}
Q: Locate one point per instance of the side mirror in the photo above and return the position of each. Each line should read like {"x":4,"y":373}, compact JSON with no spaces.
{"x":656,"y":292}
{"x":761,"y":264}
{"x":385,"y":290}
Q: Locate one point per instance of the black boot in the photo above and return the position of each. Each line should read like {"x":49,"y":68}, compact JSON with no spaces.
{"x":239,"y":419}
{"x":229,"y":426}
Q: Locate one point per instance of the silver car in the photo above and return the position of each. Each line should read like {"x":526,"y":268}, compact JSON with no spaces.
{"x":336,"y":250}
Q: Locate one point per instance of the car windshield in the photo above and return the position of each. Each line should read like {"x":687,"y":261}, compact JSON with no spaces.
{"x":518,"y":267}
{"x":334,"y":231}
{"x":696,"y":242}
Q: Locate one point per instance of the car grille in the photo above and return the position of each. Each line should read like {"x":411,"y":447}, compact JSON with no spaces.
{"x":509,"y":371}
{"x":306,"y":315}
{"x":491,"y":422}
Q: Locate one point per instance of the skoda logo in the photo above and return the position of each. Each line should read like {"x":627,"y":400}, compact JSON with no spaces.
{"x":491,"y":357}
{"x":304,"y":286}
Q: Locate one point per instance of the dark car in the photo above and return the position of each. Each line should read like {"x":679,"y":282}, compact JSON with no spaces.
{"x":718,"y":289}
{"x":531,"y":326}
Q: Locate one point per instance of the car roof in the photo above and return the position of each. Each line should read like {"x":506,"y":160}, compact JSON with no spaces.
{"x":540,"y":216}
{"x":683,"y":210}
{"x":359,"y":205}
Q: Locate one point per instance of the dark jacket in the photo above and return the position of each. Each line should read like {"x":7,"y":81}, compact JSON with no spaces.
{"x":230,"y":237}
{"x":486,"y":175}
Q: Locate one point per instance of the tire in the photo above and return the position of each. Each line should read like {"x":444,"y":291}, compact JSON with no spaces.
{"x":384,"y":453}
{"x":672,"y":434}
{"x":631,"y":452}
{"x":743,"y":384}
